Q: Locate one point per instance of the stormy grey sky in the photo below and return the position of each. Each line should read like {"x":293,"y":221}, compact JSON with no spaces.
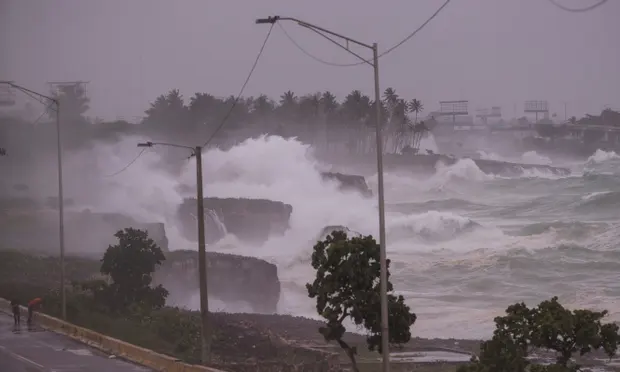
{"x":492,"y":52}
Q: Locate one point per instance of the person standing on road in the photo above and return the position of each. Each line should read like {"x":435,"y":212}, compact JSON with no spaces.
{"x":32,"y":306}
{"x":16,"y":312}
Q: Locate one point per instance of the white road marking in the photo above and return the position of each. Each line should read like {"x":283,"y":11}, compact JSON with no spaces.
{"x":21,"y":358}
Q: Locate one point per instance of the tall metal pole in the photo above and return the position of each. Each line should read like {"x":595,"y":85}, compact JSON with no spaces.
{"x":202,"y":262}
{"x":61,"y":198}
{"x":61,"y":216}
{"x":385,"y":347}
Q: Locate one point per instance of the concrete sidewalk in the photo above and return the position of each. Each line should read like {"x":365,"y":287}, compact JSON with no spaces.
{"x":40,"y":350}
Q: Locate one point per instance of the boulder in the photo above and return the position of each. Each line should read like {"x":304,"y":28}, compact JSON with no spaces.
{"x":250,"y":220}
{"x":349,"y":182}
{"x":34,"y":227}
{"x":230,"y":279}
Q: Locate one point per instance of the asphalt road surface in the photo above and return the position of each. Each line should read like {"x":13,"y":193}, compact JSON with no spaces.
{"x":40,"y":350}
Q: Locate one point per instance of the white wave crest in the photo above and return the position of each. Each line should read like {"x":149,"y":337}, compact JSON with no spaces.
{"x":601,"y":156}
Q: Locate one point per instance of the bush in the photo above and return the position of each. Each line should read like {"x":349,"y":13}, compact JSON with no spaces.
{"x":549,"y":326}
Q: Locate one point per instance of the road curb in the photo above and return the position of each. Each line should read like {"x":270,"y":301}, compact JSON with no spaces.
{"x":112,"y":346}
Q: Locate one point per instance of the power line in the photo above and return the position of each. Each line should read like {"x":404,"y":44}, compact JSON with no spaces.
{"x":46,"y":111}
{"x":260,"y":53}
{"x":128,"y":165}
{"x":578,"y":10}
{"x":389,"y":50}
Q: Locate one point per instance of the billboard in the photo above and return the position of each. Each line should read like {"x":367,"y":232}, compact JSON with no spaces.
{"x":453,"y":107}
{"x":536,"y":106}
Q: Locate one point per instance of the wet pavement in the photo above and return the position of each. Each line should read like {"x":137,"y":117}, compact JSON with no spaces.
{"x":36,"y":350}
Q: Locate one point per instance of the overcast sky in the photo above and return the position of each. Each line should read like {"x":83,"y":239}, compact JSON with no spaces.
{"x":491,"y":52}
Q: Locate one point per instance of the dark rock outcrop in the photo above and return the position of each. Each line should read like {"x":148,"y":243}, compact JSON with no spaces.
{"x":31,"y":226}
{"x":429,"y":163}
{"x":349,"y":182}
{"x":230,"y":278}
{"x":250,"y":220}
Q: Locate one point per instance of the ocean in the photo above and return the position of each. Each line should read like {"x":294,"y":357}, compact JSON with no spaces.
{"x":464,"y":245}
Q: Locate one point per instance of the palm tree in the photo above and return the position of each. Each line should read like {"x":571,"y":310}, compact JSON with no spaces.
{"x":288,"y":99}
{"x":288,"y":105}
{"x":167,"y":111}
{"x":263,"y":106}
{"x":329,"y":103}
{"x":201,"y":107}
{"x":356,"y":113}
{"x":415,"y":105}
{"x":390,"y":98}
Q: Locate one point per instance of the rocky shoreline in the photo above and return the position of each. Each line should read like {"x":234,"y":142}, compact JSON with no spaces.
{"x":428,"y":164}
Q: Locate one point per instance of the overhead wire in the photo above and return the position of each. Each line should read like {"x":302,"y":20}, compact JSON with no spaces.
{"x":578,"y":10}
{"x":46,"y":111}
{"x":385,"y":52}
{"x":223,"y":122}
{"x":128,"y":164}
{"x":38,"y":99}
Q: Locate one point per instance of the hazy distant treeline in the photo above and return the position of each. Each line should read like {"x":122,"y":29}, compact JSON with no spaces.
{"x":319,"y":118}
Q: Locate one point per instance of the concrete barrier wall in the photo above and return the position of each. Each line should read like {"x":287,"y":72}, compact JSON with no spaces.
{"x":109,"y":345}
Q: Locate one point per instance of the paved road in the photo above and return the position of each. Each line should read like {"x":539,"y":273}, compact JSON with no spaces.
{"x":40,"y":350}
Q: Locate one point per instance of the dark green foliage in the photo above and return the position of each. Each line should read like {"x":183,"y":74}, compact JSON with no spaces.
{"x":130,"y":264}
{"x":549,"y":326}
{"x":347,"y":286}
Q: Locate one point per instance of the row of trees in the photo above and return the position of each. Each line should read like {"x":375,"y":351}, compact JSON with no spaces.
{"x":318,"y":118}
{"x":591,"y":128}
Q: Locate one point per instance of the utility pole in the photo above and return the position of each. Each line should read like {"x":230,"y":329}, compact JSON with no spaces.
{"x":202,"y":260}
{"x":385,"y":346}
{"x":379,"y":137}
{"x":206,"y":336}
{"x":61,"y":210}
{"x":61,"y":220}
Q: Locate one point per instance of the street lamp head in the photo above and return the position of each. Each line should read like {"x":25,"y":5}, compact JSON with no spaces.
{"x":145,"y":144}
{"x":271,"y":20}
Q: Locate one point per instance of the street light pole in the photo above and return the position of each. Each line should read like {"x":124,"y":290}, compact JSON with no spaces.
{"x":61,"y":199}
{"x":202,"y":259}
{"x":385,"y":347}
{"x":205,"y":336}
{"x":379,"y":137}
{"x":61,"y":220}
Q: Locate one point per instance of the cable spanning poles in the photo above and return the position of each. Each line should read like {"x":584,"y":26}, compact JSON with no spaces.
{"x":368,"y":61}
{"x":247,"y":80}
{"x":578,"y":10}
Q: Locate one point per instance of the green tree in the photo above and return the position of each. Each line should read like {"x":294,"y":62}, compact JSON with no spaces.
{"x":168,"y":113}
{"x":347,"y":286}
{"x":202,"y":107}
{"x":288,"y":106}
{"x":390,"y":97}
{"x":130,"y":264}
{"x":549,"y":326}
{"x":74,"y":102}
{"x":415,"y":105}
